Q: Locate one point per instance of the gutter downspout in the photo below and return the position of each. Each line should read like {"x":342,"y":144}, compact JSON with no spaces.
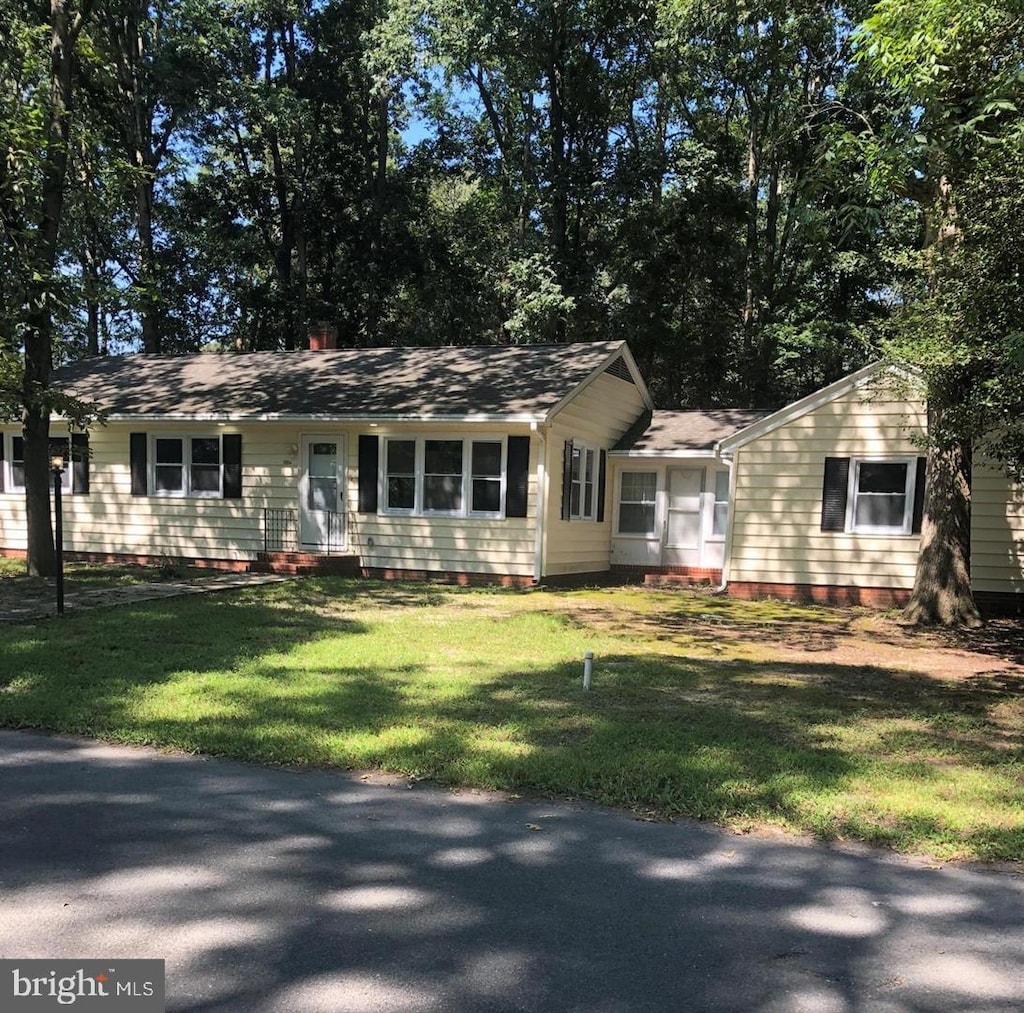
{"x":542,"y":502}
{"x":730,"y":462}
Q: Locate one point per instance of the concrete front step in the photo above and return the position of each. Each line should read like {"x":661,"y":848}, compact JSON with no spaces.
{"x":703,"y":578}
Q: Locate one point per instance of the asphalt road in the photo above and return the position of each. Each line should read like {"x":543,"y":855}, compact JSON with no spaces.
{"x":275,"y":891}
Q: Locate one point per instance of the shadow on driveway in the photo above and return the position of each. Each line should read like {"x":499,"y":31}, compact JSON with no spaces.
{"x":278,"y":890}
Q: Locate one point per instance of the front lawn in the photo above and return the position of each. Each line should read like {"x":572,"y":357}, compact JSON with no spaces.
{"x":90,"y":575}
{"x":748,"y":714}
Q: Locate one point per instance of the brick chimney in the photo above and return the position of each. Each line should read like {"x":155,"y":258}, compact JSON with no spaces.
{"x":322,"y":336}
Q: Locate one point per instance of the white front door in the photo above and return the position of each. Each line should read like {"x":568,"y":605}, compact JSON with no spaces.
{"x":322,"y":493}
{"x":682,"y":543}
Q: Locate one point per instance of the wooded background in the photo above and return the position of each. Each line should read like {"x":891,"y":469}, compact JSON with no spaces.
{"x":704,"y":179}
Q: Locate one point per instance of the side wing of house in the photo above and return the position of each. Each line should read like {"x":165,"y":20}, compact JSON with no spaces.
{"x":577,"y":518}
{"x":997,"y":538}
{"x":827,"y":501}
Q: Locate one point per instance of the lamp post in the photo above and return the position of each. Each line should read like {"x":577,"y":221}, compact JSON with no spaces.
{"x":57,"y":467}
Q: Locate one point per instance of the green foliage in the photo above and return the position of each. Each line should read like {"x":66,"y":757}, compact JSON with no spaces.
{"x":721,"y":184}
{"x":957,"y":69}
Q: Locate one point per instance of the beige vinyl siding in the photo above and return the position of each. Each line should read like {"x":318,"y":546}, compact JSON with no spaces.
{"x":496,"y":546}
{"x":776,"y":533}
{"x":599,"y":414}
{"x":111,"y":520}
{"x":997,"y":532}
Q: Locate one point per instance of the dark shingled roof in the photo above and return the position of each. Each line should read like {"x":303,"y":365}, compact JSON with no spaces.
{"x":498,"y":380}
{"x":666,"y":432}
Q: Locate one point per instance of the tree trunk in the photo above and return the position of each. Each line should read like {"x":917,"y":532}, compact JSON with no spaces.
{"x":149,"y":310}
{"x":41,"y":559}
{"x":942,"y":594}
{"x":64,"y":30}
{"x":91,"y":286}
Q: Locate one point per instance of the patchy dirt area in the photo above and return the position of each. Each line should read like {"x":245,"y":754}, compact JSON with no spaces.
{"x":991,"y":657}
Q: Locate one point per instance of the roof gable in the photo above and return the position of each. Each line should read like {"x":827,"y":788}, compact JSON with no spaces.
{"x":805,"y":406}
{"x":523,"y":382}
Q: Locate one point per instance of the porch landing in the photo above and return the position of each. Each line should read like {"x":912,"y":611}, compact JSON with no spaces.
{"x":308,"y":563}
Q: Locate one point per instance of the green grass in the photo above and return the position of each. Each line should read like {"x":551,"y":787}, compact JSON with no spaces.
{"x":693,"y":712}
{"x":93,"y":576}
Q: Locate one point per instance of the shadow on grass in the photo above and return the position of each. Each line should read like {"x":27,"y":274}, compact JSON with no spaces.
{"x":713,"y":739}
{"x":89,"y":672}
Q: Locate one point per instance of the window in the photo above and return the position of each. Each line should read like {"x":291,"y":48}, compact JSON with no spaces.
{"x":401,"y":475}
{"x":486,"y":477}
{"x":58,"y":445}
{"x":637,"y":492}
{"x":17,"y":463}
{"x":187,"y":466}
{"x":169,"y":467}
{"x":881,"y":496}
{"x":442,"y":476}
{"x":582,"y":486}
{"x":458,"y":477}
{"x":720,"y":509}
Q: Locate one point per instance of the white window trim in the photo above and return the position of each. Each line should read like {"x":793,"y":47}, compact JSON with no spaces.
{"x":186,"y":466}
{"x":382,"y":478}
{"x":13,"y":489}
{"x":908,"y":506}
{"x":467,"y":456}
{"x":711,"y":478}
{"x":654,"y":533}
{"x":584,"y":449}
{"x":420,"y":441}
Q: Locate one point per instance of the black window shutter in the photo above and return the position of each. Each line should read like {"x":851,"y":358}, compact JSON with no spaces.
{"x":232,"y":451}
{"x":602,"y":464}
{"x":80,"y":464}
{"x":140,"y":478}
{"x":3,"y":440}
{"x":567,"y":480}
{"x":517,"y":475}
{"x":369,"y":465}
{"x":834,"y":493}
{"x":919,"y":496}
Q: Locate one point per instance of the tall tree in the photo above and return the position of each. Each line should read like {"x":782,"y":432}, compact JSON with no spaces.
{"x":958,"y":70}
{"x":39,"y":75}
{"x":765,"y":87}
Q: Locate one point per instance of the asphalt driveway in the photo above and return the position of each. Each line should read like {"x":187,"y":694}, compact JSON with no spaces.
{"x":276,"y":890}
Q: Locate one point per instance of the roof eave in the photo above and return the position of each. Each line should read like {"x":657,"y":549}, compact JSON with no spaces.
{"x":360,"y":419}
{"x":708,"y":452}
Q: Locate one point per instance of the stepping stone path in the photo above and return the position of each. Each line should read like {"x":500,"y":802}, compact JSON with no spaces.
{"x":28,"y":606}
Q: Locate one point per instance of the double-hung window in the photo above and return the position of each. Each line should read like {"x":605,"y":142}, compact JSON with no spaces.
{"x":400,"y":477}
{"x":443,"y":475}
{"x":187,"y":466}
{"x":720,"y":506}
{"x":881,"y":496}
{"x":18,"y":463}
{"x":485,"y":488}
{"x":59,"y":445}
{"x":637,"y":501}
{"x":584,"y":472}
